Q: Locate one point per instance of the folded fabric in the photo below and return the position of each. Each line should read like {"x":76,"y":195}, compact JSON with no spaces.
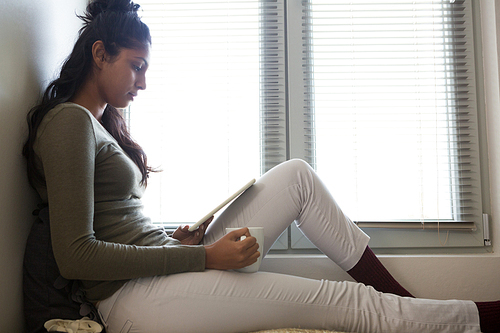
{"x":84,"y":325}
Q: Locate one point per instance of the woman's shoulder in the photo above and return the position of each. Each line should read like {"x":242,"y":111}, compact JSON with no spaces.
{"x":67,"y":115}
{"x":70,"y":122}
{"x":69,"y":111}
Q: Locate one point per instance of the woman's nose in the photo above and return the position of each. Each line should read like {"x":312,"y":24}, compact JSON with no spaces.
{"x":141,"y":84}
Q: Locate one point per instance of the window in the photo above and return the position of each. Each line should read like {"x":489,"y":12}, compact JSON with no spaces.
{"x":198,"y":119}
{"x":378,"y":97}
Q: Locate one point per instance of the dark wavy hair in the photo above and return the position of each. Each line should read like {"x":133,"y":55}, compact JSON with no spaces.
{"x":117,"y":24}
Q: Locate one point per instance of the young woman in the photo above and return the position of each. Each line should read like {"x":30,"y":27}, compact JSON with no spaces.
{"x":91,"y":174}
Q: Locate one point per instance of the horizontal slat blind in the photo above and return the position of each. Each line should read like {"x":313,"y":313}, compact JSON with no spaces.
{"x":273,"y":88}
{"x":198,"y":119}
{"x":392,"y":86}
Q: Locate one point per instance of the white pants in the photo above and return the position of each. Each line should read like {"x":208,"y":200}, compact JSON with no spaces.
{"x":227,"y":301}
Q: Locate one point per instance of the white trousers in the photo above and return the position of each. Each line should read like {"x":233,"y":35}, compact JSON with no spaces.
{"x":227,"y":301}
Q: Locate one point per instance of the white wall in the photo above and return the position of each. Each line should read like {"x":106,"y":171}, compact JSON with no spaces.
{"x":474,"y":277}
{"x":35,"y":37}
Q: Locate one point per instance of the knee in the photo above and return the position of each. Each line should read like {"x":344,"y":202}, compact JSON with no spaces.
{"x":298,"y":164}
{"x":292,"y":169}
{"x":296,"y":168}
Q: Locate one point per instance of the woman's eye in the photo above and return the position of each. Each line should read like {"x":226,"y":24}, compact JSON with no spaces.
{"x":136,"y":68}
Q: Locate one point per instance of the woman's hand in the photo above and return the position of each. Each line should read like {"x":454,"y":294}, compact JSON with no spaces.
{"x":230,"y":252}
{"x":191,"y":237}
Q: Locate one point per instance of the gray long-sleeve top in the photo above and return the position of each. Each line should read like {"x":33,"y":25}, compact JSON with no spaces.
{"x":99,"y":234}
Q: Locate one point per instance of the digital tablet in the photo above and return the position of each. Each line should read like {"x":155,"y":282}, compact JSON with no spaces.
{"x":225,"y":202}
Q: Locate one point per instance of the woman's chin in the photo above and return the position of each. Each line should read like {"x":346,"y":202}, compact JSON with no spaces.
{"x":122,"y":105}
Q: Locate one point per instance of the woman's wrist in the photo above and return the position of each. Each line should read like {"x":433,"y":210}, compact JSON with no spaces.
{"x":208,"y":257}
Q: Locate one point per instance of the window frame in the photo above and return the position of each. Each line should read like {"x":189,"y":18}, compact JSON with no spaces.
{"x":292,"y":145}
{"x":437,"y":238}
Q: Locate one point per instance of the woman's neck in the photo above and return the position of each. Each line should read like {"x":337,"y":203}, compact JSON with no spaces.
{"x":89,"y":98}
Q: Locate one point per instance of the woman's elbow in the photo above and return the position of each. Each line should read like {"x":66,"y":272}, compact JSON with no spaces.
{"x":72,"y":267}
{"x":69,"y":273}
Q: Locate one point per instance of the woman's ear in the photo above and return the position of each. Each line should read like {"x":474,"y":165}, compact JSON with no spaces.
{"x":99,"y":53}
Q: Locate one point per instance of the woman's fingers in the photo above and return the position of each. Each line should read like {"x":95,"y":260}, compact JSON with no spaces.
{"x":230,"y":252}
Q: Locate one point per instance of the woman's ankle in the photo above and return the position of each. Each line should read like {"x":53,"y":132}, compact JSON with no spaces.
{"x":489,"y":316}
{"x":370,"y":271}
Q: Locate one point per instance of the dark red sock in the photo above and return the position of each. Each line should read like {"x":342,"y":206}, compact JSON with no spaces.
{"x":489,"y":316}
{"x":370,"y":271}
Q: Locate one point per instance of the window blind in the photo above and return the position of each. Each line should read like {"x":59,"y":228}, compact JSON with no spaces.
{"x":198,"y":119}
{"x":273,"y":106}
{"x":391,"y":89}
{"x":378,"y":97}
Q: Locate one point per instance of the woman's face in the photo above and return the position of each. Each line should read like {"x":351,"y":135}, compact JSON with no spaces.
{"x":123,"y":76}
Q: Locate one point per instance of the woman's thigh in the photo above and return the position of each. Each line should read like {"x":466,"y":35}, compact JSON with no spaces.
{"x":290,"y":192}
{"x":226,"y":301}
{"x":271,"y":203}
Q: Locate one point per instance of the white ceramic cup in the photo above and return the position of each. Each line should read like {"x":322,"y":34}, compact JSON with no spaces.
{"x":258,"y":233}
